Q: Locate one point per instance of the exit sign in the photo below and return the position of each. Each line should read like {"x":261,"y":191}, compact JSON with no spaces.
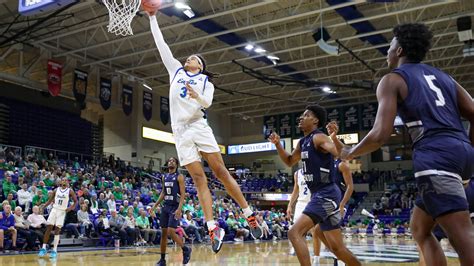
{"x":31,"y":7}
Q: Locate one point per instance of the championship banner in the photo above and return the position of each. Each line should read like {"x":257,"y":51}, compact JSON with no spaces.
{"x":351,"y":118}
{"x":147,"y":105}
{"x":105,"y":93}
{"x":270,"y":124}
{"x":54,"y":77}
{"x":286,"y":122}
{"x":334,"y":114}
{"x":127,"y":99}
{"x":295,"y":130}
{"x":164,"y":110}
{"x":79,"y":87}
{"x":369,"y":111}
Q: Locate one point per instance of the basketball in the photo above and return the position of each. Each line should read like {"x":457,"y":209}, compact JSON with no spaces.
{"x":151,"y":6}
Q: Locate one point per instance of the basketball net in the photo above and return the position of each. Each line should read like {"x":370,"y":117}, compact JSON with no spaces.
{"x":121,"y":13}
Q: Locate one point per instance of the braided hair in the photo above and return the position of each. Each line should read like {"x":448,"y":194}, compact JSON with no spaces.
{"x":204,"y":71}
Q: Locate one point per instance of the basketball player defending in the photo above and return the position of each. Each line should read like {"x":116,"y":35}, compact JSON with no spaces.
{"x":430,"y":103}
{"x":61,"y":196}
{"x":172,"y":195}
{"x":191,"y":92}
{"x":301,"y":196}
{"x":315,"y":150}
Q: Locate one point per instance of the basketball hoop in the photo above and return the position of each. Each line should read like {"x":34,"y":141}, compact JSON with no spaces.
{"x":121,"y":13}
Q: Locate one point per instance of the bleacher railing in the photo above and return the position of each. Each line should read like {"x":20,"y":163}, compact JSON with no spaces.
{"x":41,"y":152}
{"x":18,"y":151}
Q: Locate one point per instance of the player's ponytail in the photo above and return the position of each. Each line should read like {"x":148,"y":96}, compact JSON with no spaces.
{"x":204,"y":71}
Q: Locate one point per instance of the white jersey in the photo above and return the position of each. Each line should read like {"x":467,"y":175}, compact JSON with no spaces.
{"x":304,"y":195}
{"x":183,"y":109}
{"x":61,"y":200}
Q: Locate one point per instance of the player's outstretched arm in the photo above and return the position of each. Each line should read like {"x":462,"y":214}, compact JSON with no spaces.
{"x":171,"y":64}
{"x":387,"y":96}
{"x":287,"y":158}
{"x":466,"y":108}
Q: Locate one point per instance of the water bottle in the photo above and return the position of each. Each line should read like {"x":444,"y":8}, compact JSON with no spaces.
{"x":117,"y":243}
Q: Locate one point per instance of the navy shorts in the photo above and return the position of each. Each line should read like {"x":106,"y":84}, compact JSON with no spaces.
{"x":167,"y":218}
{"x":323,"y":208}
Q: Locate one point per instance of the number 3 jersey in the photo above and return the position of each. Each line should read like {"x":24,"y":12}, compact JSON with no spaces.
{"x":61,"y":200}
{"x":171,"y":188}
{"x":430,"y":108}
{"x":183,"y":109}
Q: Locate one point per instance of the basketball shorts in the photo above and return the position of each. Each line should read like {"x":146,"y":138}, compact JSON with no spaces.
{"x":439,"y":171}
{"x":167,"y":218}
{"x":323,"y":208}
{"x":192,"y":139}
{"x":56,"y":217}
{"x":299,"y":208}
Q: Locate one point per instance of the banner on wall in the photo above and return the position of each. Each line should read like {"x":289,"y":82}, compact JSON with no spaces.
{"x":335,"y":114}
{"x":286,"y":122}
{"x":54,"y":77}
{"x":295,"y":130}
{"x":127,"y":99}
{"x":147,"y":105}
{"x":164,"y":110}
{"x":351,"y":118}
{"x":270,"y":124}
{"x":105,"y":93}
{"x":369,"y":111}
{"x":79,"y":87}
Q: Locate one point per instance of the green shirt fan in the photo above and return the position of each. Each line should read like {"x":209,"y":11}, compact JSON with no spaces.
{"x":122,"y":12}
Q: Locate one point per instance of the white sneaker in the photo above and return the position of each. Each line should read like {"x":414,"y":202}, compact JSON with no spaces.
{"x":315,"y":261}
{"x":292,"y":251}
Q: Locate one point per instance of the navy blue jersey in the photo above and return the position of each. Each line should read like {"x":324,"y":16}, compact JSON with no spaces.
{"x":430,"y":109}
{"x":316,"y":164}
{"x":171,"y":188}
{"x":337,"y":176}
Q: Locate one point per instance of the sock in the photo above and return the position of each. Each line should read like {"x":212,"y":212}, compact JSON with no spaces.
{"x":44,"y":246}
{"x":163,"y":255}
{"x":247,"y":212}
{"x":211,"y":225}
{"x":55,"y":242}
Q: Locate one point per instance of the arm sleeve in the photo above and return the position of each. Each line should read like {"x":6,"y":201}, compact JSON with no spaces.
{"x":171,"y":64}
{"x":205,"y":98}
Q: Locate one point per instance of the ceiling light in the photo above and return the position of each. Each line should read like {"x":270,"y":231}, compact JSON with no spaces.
{"x":249,"y":47}
{"x":260,"y":50}
{"x":326,"y":89}
{"x":181,"y":5}
{"x":189,"y":13}
{"x":146,"y":86}
{"x":272,"y":57}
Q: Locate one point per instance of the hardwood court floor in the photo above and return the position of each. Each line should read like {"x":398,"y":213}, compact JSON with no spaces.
{"x":370,"y":251}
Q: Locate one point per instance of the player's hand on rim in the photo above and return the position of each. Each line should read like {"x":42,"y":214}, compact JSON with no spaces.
{"x":191,"y":92}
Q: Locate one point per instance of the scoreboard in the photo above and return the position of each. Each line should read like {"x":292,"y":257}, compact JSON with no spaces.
{"x":31,"y":7}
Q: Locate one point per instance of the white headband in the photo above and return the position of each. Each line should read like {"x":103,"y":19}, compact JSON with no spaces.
{"x":199,"y":60}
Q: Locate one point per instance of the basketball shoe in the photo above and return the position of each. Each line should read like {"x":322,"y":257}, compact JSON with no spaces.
{"x":217,"y":237}
{"x":255,"y":229}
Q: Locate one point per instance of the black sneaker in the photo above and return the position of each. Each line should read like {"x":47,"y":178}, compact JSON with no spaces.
{"x":255,"y":229}
{"x":186,"y":254}
{"x":162,"y":262}
{"x":217,"y":237}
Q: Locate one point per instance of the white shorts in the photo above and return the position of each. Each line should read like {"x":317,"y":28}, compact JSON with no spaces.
{"x":56,"y":217}
{"x":299,"y":208}
{"x":192,"y":139}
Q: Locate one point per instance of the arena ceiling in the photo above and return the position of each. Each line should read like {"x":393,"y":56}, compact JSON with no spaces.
{"x":220,"y":30}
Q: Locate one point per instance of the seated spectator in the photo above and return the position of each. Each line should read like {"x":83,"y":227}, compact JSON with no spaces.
{"x":234,"y":225}
{"x":102,"y":202}
{"x":131,"y":224}
{"x":24,"y":198}
{"x":7,"y":185}
{"x":85,"y":223}
{"x":118,"y":227}
{"x":22,"y":228}
{"x":11,"y":201}
{"x":118,"y":195}
{"x":103,"y":225}
{"x":277,"y":228}
{"x":37,"y":223}
{"x":111,"y":205}
{"x":94,"y":205}
{"x":39,"y":198}
{"x":148,"y":234}
{"x":71,"y":224}
{"x":190,"y":226}
{"x":377,"y":208}
{"x":7,"y":226}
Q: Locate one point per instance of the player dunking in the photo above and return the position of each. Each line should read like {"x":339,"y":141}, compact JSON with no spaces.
{"x":191,"y":91}
{"x":60,"y":196}
{"x":172,"y":195}
{"x":315,"y":150}
{"x":430,"y":103}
